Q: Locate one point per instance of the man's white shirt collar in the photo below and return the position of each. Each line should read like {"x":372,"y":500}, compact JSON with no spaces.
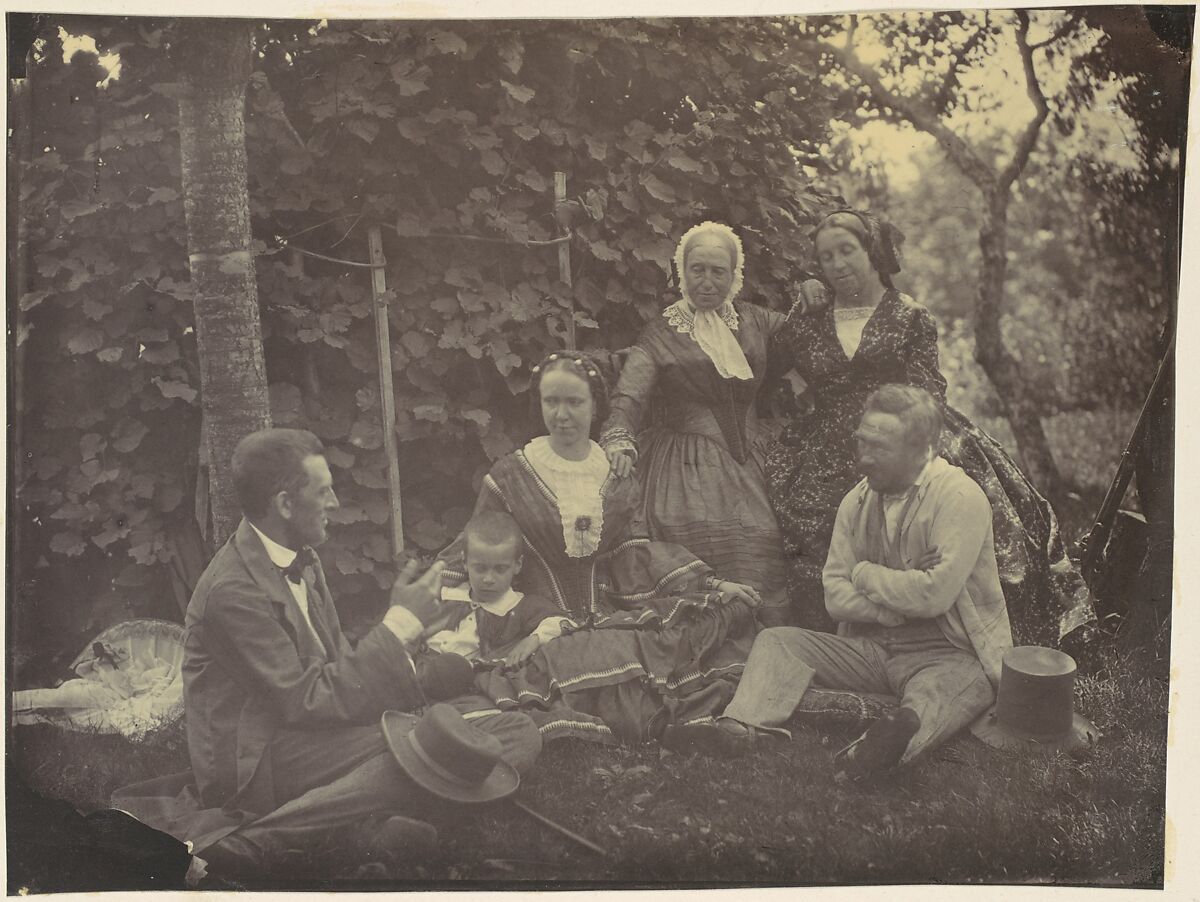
{"x":280,"y":555}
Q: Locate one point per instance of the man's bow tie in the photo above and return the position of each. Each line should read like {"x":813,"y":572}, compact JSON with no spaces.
{"x":294,"y":571}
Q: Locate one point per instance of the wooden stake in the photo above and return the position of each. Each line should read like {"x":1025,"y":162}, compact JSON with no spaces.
{"x":558,"y":828}
{"x":387,"y":400}
{"x":564,"y":254}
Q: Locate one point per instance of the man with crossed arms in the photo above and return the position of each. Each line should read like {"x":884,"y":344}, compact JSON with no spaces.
{"x":911,"y":578}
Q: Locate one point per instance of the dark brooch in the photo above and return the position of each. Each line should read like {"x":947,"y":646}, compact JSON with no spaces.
{"x":583,"y":524}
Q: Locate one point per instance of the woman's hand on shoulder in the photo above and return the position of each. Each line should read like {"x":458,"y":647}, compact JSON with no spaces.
{"x":620,"y":462}
{"x":812,"y":298}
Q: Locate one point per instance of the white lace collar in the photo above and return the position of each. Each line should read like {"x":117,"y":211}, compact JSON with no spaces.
{"x":712,"y":330}
{"x":576,"y":485}
{"x":545,"y":459}
{"x":844,"y":314}
{"x":682,"y":316}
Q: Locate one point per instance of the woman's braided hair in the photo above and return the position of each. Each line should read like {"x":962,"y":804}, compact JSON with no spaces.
{"x":594,"y":367}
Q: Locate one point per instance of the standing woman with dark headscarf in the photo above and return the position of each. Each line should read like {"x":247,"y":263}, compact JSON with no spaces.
{"x":871,"y":335}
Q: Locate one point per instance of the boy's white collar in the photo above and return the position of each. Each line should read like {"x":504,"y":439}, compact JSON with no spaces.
{"x":499,"y":607}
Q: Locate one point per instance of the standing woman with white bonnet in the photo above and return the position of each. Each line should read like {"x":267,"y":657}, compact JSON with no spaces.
{"x":703,"y":361}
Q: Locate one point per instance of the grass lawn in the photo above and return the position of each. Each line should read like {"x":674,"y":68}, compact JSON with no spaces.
{"x":967,"y":814}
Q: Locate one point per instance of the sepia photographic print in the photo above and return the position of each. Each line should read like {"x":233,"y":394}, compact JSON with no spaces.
{"x":594,"y":452}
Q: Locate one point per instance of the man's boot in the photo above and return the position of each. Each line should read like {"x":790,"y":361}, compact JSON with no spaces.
{"x":236,"y":860}
{"x":880,"y":747}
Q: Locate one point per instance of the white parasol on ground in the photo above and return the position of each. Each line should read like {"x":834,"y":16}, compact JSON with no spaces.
{"x":128,"y":682}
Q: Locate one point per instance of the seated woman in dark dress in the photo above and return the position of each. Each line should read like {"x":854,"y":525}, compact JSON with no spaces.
{"x":870,"y":335}
{"x":654,"y":636}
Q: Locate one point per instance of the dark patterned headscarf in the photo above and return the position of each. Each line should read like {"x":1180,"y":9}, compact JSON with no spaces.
{"x":881,"y":240}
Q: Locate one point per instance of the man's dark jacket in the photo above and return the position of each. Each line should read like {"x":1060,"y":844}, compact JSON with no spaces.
{"x":252,"y":666}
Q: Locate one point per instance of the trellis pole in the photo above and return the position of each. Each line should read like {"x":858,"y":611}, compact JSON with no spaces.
{"x":564,"y":252}
{"x":387,"y":400}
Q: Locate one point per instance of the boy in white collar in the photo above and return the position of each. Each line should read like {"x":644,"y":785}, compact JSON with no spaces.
{"x":495,"y":622}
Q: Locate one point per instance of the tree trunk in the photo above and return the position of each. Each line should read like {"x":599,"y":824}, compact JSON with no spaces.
{"x":19,"y":155}
{"x":1017,"y":402}
{"x":1017,"y":399}
{"x":214,"y":59}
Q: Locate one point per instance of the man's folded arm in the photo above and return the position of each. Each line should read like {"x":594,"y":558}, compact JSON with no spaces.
{"x":959,"y":528}
{"x":842,"y":600}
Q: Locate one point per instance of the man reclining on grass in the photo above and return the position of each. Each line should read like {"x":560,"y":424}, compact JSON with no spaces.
{"x":283,"y":713}
{"x":911,"y":578}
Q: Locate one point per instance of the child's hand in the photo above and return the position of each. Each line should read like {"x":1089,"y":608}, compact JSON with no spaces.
{"x":522,"y":652}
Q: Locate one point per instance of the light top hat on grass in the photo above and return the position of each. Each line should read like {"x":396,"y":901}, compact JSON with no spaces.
{"x":448,"y":756}
{"x":1035,"y":704}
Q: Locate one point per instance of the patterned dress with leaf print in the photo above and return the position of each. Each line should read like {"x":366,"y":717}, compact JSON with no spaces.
{"x":813,"y":465}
